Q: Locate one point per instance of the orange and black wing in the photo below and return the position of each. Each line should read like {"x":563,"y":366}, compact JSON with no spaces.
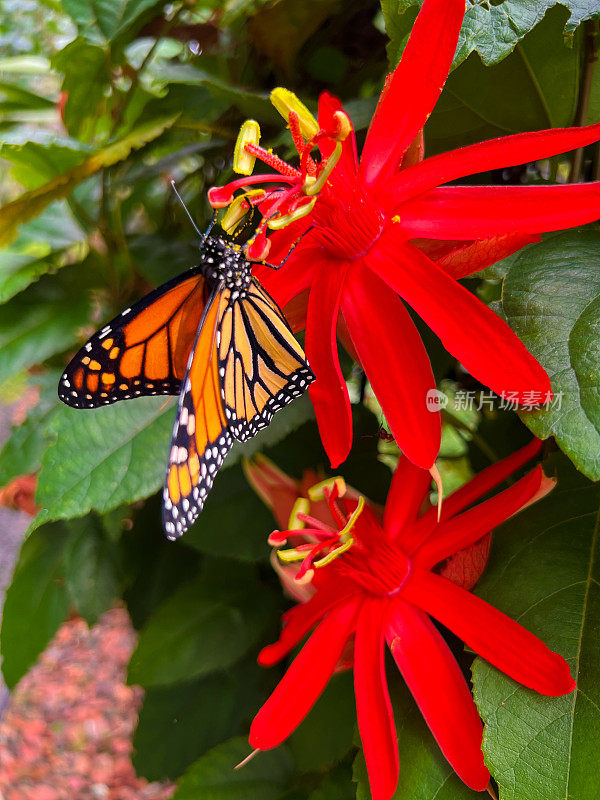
{"x":143,"y":351}
{"x":201,"y":438}
{"x":262,"y":366}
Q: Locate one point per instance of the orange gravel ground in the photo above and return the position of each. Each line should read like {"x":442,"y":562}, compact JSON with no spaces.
{"x":67,"y":730}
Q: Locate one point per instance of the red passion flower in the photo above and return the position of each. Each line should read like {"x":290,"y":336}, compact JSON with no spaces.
{"x":386,"y":230}
{"x":375,"y":582}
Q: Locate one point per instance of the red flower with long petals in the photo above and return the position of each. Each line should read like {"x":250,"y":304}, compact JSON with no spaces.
{"x":375,"y":583}
{"x":386,"y":230}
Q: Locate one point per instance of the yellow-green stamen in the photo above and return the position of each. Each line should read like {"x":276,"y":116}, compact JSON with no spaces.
{"x":286,"y":101}
{"x":243,"y":161}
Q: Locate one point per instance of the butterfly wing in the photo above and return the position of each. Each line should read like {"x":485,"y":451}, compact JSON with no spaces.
{"x":201,"y":438}
{"x":143,"y":351}
{"x":261,"y":365}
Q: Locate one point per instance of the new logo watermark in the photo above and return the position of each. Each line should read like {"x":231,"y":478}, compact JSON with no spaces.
{"x":473,"y":400}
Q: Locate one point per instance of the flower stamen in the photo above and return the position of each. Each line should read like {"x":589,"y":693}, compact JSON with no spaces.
{"x":322,"y":544}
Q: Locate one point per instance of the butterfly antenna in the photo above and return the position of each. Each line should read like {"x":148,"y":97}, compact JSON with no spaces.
{"x":185,"y":208}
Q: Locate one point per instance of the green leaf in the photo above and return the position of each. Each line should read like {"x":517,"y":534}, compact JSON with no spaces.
{"x":36,"y":601}
{"x":32,"y":203}
{"x":201,"y":628}
{"x":92,"y":570}
{"x":212,"y":777}
{"x":22,"y":452}
{"x":279,"y":30}
{"x":249,"y":103}
{"x":104,"y":458}
{"x":551,"y":298}
{"x":107,"y":19}
{"x":234,"y":523}
{"x":327,"y":732}
{"x":544,"y":572}
{"x":154,"y":567}
{"x":34,"y":163}
{"x":86,"y":69}
{"x":337,"y":786}
{"x":536,"y":87}
{"x":424,"y":772}
{"x":42,"y":321}
{"x":492,"y":30}
{"x":178,"y":723}
{"x":14,"y":99}
{"x":46,"y":244}
{"x":25,"y":64}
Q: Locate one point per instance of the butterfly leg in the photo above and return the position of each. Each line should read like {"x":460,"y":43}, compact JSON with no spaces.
{"x":292,"y":248}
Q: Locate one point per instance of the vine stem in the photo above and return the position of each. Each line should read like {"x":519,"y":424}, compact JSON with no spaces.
{"x":166,"y":27}
{"x":591,"y":56}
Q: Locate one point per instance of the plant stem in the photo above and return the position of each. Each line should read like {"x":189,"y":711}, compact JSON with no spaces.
{"x":166,"y":27}
{"x":591,"y":56}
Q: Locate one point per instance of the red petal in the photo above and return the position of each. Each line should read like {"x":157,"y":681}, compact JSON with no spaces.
{"x":373,"y":707}
{"x":469,"y":330}
{"x":395,"y":360}
{"x":474,"y":256}
{"x":298,"y":690}
{"x":328,"y":393}
{"x":497,"y":638}
{"x":296,"y":310}
{"x":414,"y":88}
{"x":481,"y":484}
{"x":301,"y":619}
{"x":441,"y":692}
{"x":405,"y":497}
{"x":294,"y":277}
{"x":477,"y":212}
{"x":348,"y":162}
{"x":453,"y":535}
{"x":508,"y":151}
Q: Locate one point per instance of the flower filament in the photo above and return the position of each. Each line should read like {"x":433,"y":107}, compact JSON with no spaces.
{"x":325,"y":543}
{"x":295,"y":189}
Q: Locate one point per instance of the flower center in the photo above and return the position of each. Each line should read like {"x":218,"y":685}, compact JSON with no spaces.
{"x":292,"y":192}
{"x":357,"y":545}
{"x":348,"y":222}
{"x":383,"y":571}
{"x":320,"y":543}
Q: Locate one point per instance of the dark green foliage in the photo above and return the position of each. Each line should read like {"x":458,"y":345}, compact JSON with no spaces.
{"x":102,"y":103}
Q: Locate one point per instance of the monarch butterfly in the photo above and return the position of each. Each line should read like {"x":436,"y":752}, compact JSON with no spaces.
{"x":213,"y":336}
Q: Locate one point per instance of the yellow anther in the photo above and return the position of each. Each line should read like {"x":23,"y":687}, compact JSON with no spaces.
{"x":317,"y":492}
{"x":236,"y":212}
{"x":238,"y":208}
{"x":311,"y":189}
{"x":301,"y":506}
{"x":243,"y":162}
{"x":397,"y":218}
{"x":291,"y":555}
{"x":344,"y":126}
{"x":279,"y":221}
{"x":286,"y":101}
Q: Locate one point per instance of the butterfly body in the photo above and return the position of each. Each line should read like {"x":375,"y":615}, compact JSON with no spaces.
{"x":217,"y":339}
